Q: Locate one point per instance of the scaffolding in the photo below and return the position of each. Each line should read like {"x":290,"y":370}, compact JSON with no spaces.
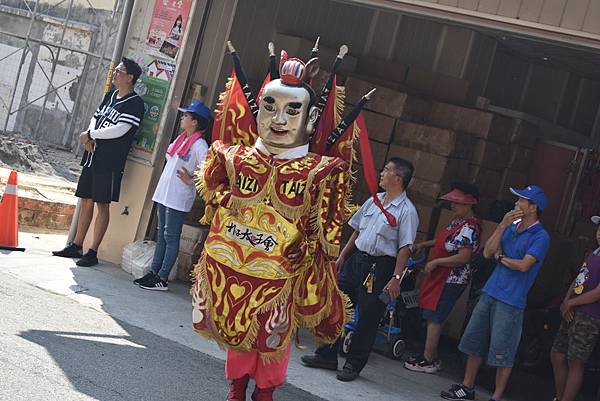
{"x":53,"y":71}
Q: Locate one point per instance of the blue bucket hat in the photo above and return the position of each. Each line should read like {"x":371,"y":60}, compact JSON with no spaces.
{"x":198,"y":108}
{"x":534,"y":194}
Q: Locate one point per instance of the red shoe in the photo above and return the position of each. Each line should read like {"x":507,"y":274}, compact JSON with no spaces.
{"x":263,"y":394}
{"x":237,"y":389}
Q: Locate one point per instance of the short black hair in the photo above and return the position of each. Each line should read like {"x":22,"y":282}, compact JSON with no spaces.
{"x":405,"y":169}
{"x":204,"y":125}
{"x":467,"y":188}
{"x":537,"y":208}
{"x":132,"y":68}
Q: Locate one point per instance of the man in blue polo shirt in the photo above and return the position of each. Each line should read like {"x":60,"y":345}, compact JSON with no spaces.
{"x":519,"y":245}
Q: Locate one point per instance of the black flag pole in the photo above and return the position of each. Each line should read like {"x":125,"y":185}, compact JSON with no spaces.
{"x":315,"y":50}
{"x":326,"y":91}
{"x":241,"y":76}
{"x":273,"y":70}
{"x":349,"y":119}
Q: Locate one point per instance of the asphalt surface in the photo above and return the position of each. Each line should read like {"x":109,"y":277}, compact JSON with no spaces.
{"x":70,"y":333}
{"x":54,"y":348}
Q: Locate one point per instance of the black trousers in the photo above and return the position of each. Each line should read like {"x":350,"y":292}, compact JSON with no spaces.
{"x":370,"y":308}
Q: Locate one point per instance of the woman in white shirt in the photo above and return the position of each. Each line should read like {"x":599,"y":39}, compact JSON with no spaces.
{"x":175,"y":192}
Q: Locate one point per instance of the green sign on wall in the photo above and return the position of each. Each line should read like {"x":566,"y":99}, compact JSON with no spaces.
{"x":153,"y":87}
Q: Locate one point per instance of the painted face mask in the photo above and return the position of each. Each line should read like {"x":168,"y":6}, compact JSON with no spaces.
{"x":283,"y":120}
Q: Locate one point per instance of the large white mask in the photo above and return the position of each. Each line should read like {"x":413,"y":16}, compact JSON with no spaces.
{"x":285,"y":119}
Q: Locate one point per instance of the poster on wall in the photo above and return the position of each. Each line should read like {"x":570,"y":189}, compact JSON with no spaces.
{"x":168,"y":23}
{"x":153,"y":87}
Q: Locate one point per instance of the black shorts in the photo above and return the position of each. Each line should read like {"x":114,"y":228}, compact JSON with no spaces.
{"x":101,"y":186}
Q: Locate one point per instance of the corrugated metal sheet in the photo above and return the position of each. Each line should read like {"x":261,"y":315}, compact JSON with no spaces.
{"x":576,"y":22}
{"x":580,"y":15}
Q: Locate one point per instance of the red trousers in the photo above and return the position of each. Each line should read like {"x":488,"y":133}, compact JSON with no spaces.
{"x":266,"y":374}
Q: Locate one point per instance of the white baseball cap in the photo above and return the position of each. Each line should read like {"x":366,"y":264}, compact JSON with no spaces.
{"x":595,"y":219}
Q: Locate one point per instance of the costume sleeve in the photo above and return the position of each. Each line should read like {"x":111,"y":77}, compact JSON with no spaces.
{"x":320,"y":305}
{"x":333,"y":211}
{"x":212,"y":181}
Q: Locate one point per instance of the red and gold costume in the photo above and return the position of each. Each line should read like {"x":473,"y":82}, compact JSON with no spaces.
{"x":276,"y":212}
{"x":248,"y":295}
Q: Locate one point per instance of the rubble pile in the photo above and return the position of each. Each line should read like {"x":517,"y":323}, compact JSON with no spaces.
{"x":21,"y":154}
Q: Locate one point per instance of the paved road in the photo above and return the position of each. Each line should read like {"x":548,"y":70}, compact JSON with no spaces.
{"x":70,"y":333}
{"x":54,"y":348}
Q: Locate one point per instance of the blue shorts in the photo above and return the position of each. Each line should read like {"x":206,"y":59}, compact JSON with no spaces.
{"x":448,"y":298}
{"x":494,"y":331}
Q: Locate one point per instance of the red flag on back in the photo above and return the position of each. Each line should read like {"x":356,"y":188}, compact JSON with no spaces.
{"x":266,"y":81}
{"x":368,"y":165}
{"x":330,"y":118}
{"x":234,"y":123}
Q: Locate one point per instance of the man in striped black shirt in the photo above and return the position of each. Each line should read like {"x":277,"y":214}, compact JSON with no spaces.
{"x":107,"y":142}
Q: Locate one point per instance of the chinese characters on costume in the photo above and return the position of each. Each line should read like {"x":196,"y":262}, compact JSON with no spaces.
{"x":276,"y":184}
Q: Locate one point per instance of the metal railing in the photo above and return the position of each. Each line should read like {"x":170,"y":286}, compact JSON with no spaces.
{"x":51,"y":74}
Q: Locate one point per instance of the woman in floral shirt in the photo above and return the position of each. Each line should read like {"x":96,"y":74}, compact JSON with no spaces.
{"x":448,"y":271}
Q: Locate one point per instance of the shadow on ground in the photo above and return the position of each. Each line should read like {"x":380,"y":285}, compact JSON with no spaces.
{"x":139,"y":366}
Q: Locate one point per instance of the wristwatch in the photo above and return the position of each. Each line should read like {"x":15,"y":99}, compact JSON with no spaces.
{"x":397,"y":277}
{"x":499,"y":258}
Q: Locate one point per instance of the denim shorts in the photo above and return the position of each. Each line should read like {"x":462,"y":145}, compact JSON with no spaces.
{"x":448,"y":298}
{"x":493,"y":332}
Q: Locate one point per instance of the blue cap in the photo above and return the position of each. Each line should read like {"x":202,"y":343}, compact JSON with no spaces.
{"x":534,"y":194}
{"x":198,"y":108}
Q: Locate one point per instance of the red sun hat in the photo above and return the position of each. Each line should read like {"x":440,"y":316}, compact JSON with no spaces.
{"x":458,"y":196}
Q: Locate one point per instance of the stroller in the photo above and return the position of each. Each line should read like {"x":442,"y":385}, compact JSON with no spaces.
{"x":390,"y":335}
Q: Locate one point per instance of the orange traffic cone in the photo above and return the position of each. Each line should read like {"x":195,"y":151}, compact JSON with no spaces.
{"x":9,"y":215}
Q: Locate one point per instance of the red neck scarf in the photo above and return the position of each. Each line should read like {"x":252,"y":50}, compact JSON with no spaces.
{"x":183,"y":143}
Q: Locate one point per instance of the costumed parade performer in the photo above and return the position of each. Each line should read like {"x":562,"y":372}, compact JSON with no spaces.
{"x":275,"y":183}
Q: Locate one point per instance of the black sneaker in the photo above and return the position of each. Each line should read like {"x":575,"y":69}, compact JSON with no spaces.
{"x":458,"y":392}
{"x":142,"y":280}
{"x":69,"y":251}
{"x":155,"y":284}
{"x":415,"y":358}
{"x":347,"y":374}
{"x":423,"y":365}
{"x":89,"y":259}
{"x":318,"y":361}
